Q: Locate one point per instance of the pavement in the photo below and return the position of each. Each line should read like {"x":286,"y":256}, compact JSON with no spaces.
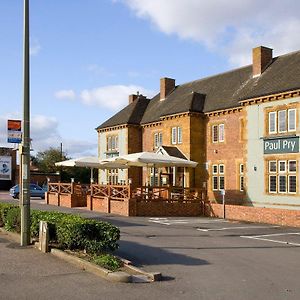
{"x":199,"y":258}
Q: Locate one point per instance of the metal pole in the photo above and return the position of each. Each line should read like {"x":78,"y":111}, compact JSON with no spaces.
{"x":25,"y":192}
{"x":223,"y":202}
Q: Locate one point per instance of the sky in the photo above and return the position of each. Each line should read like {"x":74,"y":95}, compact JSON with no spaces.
{"x":88,"y":56}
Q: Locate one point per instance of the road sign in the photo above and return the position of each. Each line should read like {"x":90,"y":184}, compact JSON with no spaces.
{"x":14,"y":131}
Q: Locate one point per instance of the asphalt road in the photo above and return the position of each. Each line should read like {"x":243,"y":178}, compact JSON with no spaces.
{"x":200,"y":258}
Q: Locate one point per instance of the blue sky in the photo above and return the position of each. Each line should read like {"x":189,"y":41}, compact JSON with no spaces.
{"x":88,"y":56}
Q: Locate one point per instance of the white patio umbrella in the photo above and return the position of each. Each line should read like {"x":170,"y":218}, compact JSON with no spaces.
{"x":150,"y":159}
{"x":92,"y":162}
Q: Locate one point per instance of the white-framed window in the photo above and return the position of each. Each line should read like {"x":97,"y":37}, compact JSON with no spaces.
{"x":214,"y":133}
{"x":282,"y":176}
{"x":221,"y":133}
{"x":112,"y":143}
{"x":218,"y":177}
{"x":272,"y":183}
{"x":292,"y":119}
{"x":282,"y":166}
{"x":272,"y":122}
{"x":215,"y":169}
{"x":218,"y":133}
{"x":112,"y":176}
{"x":272,"y":166}
{"x":157,"y":139}
{"x":282,"y":121}
{"x":179,"y":135}
{"x":176,"y":135}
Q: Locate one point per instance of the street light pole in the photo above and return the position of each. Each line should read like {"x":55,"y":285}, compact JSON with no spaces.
{"x":25,"y":153}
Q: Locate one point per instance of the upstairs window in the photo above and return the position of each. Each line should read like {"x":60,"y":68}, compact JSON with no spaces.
{"x":282,"y":121}
{"x":157,"y":139}
{"x":218,"y":133}
{"x":176,"y":135}
{"x":112,"y":143}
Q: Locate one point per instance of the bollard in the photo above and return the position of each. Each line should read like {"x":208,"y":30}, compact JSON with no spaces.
{"x":44,"y":237}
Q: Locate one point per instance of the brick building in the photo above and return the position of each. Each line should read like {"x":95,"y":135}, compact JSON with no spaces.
{"x":241,"y":126}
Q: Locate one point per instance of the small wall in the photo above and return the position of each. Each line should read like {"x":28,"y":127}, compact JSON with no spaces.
{"x":168,"y":209}
{"x":107,"y":205}
{"x":67,"y":200}
{"x":283,"y":217}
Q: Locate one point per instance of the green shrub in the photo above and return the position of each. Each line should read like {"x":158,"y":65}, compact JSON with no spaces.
{"x":13,"y":219}
{"x":4,"y":208}
{"x":90,"y":235}
{"x":68,"y":231}
{"x":108,"y":261}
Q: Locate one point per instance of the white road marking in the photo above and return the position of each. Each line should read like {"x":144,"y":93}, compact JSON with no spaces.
{"x":263,"y":238}
{"x":166,"y":221}
{"x":237,"y":227}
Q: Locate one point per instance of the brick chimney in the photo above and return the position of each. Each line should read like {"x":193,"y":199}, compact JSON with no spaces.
{"x":167,"y":85}
{"x":261,"y":58}
{"x":131,"y":98}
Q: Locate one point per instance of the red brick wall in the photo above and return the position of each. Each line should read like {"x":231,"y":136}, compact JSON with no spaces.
{"x":231,"y":153}
{"x":165,"y":209}
{"x":283,"y":217}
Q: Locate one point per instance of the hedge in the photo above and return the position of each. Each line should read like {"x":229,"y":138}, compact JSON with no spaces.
{"x":67,"y":231}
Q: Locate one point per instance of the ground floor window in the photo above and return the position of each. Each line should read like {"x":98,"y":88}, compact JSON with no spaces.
{"x":112,"y":176}
{"x":218,"y":177}
{"x":282,"y":176}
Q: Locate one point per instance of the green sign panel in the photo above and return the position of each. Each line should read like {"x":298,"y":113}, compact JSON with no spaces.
{"x":281,"y":145}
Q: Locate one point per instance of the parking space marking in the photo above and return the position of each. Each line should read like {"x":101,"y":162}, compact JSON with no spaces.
{"x":263,"y":237}
{"x":166,"y":221}
{"x":237,"y":227}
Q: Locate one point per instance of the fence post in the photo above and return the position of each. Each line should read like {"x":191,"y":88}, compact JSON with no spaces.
{"x":44,"y":237}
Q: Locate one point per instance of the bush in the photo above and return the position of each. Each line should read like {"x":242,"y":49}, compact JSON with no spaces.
{"x":13,"y":219}
{"x":90,"y":235}
{"x":4,"y":208}
{"x":68,"y":231}
{"x":108,"y":261}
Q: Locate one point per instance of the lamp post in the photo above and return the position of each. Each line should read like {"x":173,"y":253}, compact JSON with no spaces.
{"x":25,"y":148}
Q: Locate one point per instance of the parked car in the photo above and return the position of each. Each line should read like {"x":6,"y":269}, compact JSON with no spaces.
{"x":35,"y":191}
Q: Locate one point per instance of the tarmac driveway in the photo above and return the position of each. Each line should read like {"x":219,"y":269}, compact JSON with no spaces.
{"x":200,"y":258}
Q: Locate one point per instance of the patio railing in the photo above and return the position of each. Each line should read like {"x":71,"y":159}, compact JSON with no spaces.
{"x":168,"y":193}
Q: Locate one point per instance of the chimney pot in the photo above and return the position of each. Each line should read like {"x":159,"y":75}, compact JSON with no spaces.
{"x":261,"y":58}
{"x":167,"y":85}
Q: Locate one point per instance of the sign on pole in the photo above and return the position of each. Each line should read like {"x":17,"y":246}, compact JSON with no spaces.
{"x":5,"y":167}
{"x":14,"y":131}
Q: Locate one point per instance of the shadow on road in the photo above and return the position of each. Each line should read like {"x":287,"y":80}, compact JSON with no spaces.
{"x":146,"y":255}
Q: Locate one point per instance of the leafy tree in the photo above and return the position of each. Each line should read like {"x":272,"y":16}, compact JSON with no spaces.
{"x":45,"y":161}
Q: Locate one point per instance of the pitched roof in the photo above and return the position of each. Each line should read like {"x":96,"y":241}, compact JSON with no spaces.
{"x":221,"y":91}
{"x":131,"y":114}
{"x":174,"y":151}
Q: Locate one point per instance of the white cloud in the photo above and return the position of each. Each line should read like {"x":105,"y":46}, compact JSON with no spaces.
{"x":65,"y":94}
{"x":233,"y":27}
{"x":35,"y":47}
{"x":113,"y":96}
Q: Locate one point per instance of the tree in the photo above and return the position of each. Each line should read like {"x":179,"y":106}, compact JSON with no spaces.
{"x":46,"y":160}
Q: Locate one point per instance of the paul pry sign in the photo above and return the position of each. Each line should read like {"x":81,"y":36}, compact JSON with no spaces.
{"x":281,"y":145}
